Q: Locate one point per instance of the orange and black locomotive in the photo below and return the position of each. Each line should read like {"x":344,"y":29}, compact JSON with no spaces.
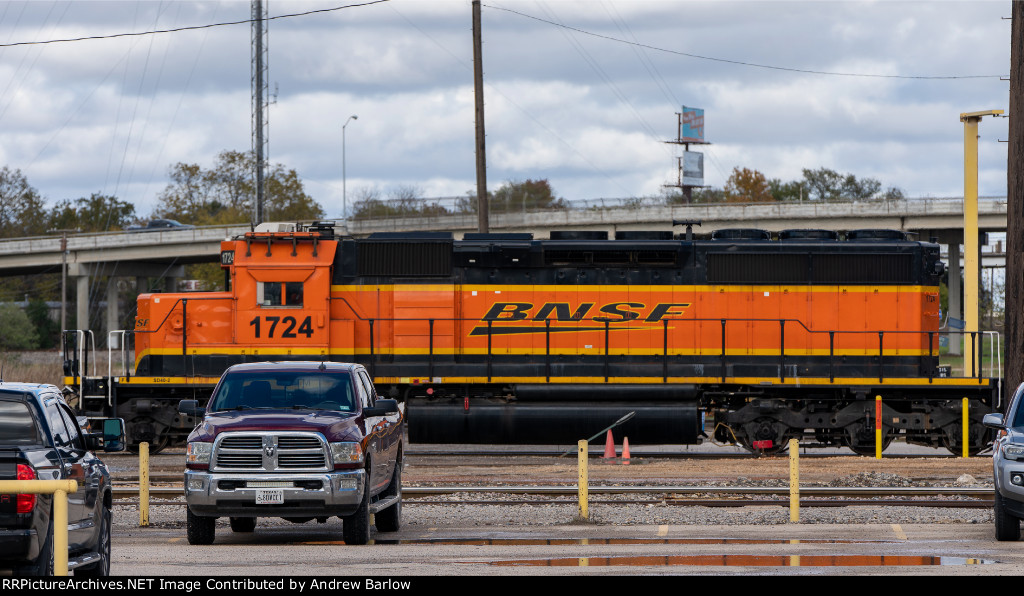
{"x":504,"y":338}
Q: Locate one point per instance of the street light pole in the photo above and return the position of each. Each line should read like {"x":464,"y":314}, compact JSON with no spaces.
{"x":344,"y":190}
{"x":971,"y":248}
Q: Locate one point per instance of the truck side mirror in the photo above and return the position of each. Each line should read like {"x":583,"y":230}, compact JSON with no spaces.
{"x":993,"y":421}
{"x":382,"y":407}
{"x":190,"y":407}
{"x":113,"y":434}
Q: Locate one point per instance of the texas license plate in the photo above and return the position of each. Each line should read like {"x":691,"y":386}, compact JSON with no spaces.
{"x":270,"y":496}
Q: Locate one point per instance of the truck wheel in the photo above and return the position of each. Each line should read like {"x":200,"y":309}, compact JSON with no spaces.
{"x":355,"y":528}
{"x":201,"y":530}
{"x":243,"y":524}
{"x":44,"y":564}
{"x":390,"y":519}
{"x":100,"y":568}
{"x":1007,"y":526}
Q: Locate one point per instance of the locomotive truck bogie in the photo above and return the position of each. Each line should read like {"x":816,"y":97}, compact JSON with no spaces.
{"x":505,"y":338}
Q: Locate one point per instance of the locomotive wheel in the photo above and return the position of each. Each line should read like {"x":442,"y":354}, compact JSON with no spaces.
{"x":861,"y":439}
{"x":156,"y":444}
{"x":952,"y":438}
{"x":764,"y":429}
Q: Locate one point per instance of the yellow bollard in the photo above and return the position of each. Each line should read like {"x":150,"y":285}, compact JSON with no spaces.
{"x":143,"y":484}
{"x":60,"y":539}
{"x":966,"y":452}
{"x":60,"y":490}
{"x":794,"y":480}
{"x":878,"y":427}
{"x":582,"y":448}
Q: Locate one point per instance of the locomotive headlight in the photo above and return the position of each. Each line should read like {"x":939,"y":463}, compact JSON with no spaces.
{"x":1013,"y":452}
{"x":198,"y":454}
{"x":346,"y":453}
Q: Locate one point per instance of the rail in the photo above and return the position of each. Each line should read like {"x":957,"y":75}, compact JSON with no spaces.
{"x":60,"y":489}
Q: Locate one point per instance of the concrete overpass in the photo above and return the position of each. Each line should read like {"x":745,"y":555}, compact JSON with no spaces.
{"x":163,"y":254}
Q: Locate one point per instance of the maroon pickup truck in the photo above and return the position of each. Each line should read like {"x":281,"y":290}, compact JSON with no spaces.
{"x":295,"y":440}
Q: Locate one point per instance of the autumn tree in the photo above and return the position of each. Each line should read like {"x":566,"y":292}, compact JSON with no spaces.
{"x":747,"y":186}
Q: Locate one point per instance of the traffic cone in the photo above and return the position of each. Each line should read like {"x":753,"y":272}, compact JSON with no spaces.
{"x":625,"y":451}
{"x":609,"y":446}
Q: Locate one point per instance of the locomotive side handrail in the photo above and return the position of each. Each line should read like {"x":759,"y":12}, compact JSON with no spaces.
{"x":975,"y":356}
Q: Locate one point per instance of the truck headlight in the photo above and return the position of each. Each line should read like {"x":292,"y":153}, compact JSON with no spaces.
{"x":347,"y":453}
{"x":1013,"y":451}
{"x":198,"y":453}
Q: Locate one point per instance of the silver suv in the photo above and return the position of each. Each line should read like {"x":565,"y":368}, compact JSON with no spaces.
{"x":1008,"y":467}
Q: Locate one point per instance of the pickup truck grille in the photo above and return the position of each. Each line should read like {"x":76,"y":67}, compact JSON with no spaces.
{"x":270,"y":452}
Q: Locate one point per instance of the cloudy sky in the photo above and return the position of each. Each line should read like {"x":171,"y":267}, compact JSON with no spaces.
{"x":581,"y":93}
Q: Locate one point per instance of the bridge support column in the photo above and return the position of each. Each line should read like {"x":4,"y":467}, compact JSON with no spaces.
{"x":113,"y":312}
{"x":955,"y":310}
{"x":82,"y":302}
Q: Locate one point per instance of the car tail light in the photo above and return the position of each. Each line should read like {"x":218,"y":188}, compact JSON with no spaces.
{"x":26,"y":502}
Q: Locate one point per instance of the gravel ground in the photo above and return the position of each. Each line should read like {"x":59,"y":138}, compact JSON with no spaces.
{"x":850,"y":471}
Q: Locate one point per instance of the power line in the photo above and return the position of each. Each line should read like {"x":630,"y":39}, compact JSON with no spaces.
{"x":740,"y":62}
{"x":190,"y":28}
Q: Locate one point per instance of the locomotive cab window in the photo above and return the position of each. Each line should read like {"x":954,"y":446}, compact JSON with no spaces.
{"x":279,"y":293}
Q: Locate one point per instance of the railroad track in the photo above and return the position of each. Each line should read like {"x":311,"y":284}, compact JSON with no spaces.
{"x":710,"y":496}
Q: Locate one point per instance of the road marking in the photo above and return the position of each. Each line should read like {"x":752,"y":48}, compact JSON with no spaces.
{"x":899,"y":532}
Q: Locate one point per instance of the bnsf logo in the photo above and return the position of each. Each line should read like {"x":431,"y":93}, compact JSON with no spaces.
{"x":616,"y":311}
{"x":561,"y":311}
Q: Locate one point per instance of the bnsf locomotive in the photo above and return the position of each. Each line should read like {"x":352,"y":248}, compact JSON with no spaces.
{"x":503,"y":338}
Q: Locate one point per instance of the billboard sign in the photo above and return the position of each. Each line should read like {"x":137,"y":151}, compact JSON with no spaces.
{"x":692,"y":125}
{"x":693,"y":168}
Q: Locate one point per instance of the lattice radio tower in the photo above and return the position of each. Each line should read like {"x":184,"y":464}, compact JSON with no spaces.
{"x":260,"y":105}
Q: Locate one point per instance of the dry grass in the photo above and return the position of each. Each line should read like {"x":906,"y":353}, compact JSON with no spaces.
{"x":36,"y":367}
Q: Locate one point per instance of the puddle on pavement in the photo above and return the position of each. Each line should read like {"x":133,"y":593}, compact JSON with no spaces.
{"x":599,"y":541}
{"x":745,"y":561}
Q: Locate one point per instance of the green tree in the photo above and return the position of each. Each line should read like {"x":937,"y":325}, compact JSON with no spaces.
{"x":226,"y":193}
{"x":98,"y":213}
{"x":527,"y":195}
{"x":21,"y":208}
{"x":824,"y":184}
{"x":47,"y":330}
{"x":16,"y":330}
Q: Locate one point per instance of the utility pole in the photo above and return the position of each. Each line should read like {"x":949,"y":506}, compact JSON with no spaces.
{"x":63,"y":276}
{"x":260,"y":101}
{"x":481,"y":160}
{"x":1014,"y":372}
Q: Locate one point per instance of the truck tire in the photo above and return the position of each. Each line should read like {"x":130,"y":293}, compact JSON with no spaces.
{"x":355,"y":528}
{"x":100,"y":568}
{"x":1007,"y":526}
{"x":43,"y":566}
{"x":243,"y":524}
{"x":200,"y":530}
{"x":390,"y":519}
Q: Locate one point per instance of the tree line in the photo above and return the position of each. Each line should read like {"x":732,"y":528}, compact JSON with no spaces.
{"x":221,"y":194}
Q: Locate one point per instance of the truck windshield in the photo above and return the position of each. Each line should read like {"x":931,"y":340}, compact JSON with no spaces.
{"x":17,"y":427}
{"x":283,"y":390}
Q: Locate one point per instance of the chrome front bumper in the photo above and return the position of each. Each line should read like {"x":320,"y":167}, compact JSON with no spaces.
{"x":325,"y":494}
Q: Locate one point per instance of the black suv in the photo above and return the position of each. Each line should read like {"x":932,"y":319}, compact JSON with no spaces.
{"x":42,"y":439}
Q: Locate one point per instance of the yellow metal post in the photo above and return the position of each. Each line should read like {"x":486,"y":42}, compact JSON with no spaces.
{"x":878,"y":427}
{"x":143,"y":484}
{"x":972,"y":365}
{"x":60,"y":490}
{"x":582,"y":448}
{"x":966,"y":453}
{"x":794,"y":480}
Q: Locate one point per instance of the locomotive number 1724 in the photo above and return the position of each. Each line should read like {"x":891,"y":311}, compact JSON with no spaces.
{"x":288,"y":324}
